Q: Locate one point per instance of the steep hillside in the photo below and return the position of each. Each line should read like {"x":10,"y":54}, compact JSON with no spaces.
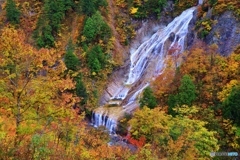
{"x":60,"y":60}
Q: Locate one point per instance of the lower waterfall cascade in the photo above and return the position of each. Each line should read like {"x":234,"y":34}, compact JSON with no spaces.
{"x":146,"y":63}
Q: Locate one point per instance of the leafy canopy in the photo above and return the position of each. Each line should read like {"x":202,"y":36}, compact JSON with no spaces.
{"x":146,"y":8}
{"x":81,"y":90}
{"x":89,"y":8}
{"x":70,"y":59}
{"x":185,"y":96}
{"x":174,"y":136}
{"x":231,"y":106}
{"x":13,"y":13}
{"x":96,"y":29}
{"x":96,"y":59}
{"x":49,"y":22}
{"x":148,"y":99}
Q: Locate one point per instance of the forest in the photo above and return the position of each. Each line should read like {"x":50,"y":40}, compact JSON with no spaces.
{"x":58,"y":56}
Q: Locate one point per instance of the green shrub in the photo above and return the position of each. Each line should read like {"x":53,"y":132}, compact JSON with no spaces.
{"x":96,"y":59}
{"x":148,"y":8}
{"x":90,"y":7}
{"x":13,"y":13}
{"x":231,"y":106}
{"x":70,"y":59}
{"x":81,"y":90}
{"x":148,"y":99}
{"x":49,"y":22}
{"x":96,"y":29}
{"x":185,"y":96}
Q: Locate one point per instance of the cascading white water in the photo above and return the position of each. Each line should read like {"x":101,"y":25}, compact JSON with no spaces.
{"x":102,"y":119}
{"x":200,"y":2}
{"x":107,"y":117}
{"x":147,"y":62}
{"x":153,"y":49}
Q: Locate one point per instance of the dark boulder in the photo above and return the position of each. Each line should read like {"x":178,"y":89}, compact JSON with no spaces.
{"x":171,"y":37}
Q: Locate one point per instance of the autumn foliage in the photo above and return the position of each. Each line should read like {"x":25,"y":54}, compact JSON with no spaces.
{"x":56,"y":58}
{"x":137,"y":142}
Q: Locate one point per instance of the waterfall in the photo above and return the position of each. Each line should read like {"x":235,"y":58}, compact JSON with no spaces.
{"x":102,"y":119}
{"x":200,"y":2}
{"x":146,"y":63}
{"x":107,"y":117}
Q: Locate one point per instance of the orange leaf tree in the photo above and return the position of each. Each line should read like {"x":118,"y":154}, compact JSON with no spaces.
{"x":33,"y":92}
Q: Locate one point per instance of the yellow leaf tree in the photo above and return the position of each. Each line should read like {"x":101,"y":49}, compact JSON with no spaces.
{"x":32,"y":89}
{"x":175,"y":137}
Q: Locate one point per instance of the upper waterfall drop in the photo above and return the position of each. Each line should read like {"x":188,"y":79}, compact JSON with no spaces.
{"x":154,"y":49}
{"x":146,"y":63}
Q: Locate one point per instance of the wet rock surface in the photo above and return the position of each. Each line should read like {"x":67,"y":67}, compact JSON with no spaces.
{"x":225,"y":33}
{"x":191,"y":36}
{"x":147,"y":56}
{"x":172,"y":37}
{"x":116,"y":140}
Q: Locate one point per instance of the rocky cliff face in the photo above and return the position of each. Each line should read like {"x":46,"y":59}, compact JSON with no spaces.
{"x":225,"y":33}
{"x":119,"y":75}
{"x":144,"y":30}
{"x":191,"y":36}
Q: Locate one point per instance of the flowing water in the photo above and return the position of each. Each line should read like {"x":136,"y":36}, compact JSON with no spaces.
{"x":146,"y":62}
